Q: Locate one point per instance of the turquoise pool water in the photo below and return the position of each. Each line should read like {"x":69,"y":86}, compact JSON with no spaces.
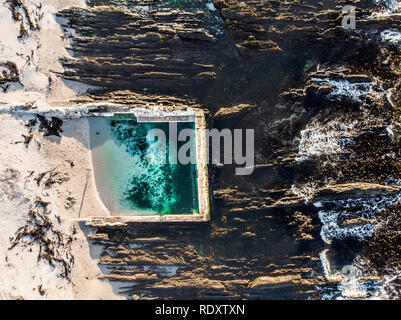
{"x":127,"y":183}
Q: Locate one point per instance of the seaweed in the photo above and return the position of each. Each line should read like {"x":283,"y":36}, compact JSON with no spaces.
{"x":50,"y":128}
{"x":54,"y":246}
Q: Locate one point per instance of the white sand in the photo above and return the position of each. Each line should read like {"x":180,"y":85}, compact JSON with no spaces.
{"x":37,"y":55}
{"x":21,"y":273}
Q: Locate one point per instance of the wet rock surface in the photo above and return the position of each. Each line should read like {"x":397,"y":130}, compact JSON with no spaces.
{"x":325,"y":105}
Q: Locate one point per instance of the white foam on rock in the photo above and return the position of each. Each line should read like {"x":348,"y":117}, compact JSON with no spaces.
{"x":392,"y":8}
{"x":391,"y":36}
{"x":391,"y":5}
{"x":329,"y":139}
{"x":305,"y":191}
{"x":353,"y":91}
{"x":367,"y":208}
{"x":352,"y":281}
{"x":211,"y":6}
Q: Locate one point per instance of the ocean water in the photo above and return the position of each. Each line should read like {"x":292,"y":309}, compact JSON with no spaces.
{"x":126,"y":182}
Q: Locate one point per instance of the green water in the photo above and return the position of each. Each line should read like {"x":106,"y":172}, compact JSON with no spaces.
{"x":127,"y":182}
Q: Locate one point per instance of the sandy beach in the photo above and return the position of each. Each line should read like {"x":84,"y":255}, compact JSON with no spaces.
{"x":70,"y":157}
{"x":37,"y":54}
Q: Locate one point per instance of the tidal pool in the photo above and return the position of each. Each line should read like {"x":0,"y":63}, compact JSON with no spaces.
{"x":126,"y":182}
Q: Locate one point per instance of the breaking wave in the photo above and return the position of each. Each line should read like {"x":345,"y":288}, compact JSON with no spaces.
{"x":351,"y":281}
{"x":352,"y":218}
